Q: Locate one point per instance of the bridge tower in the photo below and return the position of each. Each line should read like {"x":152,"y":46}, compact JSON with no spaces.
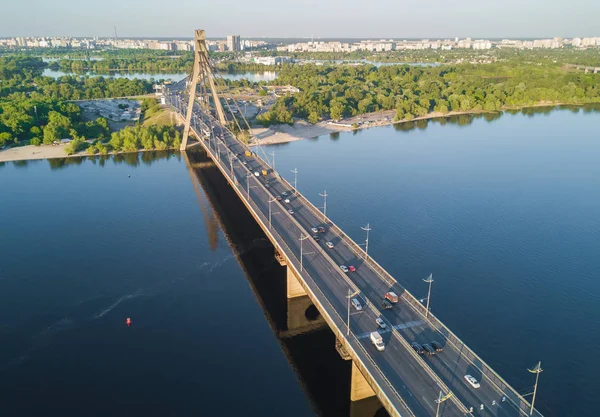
{"x":202,"y":75}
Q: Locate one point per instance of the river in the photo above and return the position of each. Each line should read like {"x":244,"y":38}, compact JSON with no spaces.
{"x":177,"y":76}
{"x":504,"y":211}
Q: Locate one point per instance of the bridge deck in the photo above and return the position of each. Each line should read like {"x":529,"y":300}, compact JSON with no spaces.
{"x":406,"y":383}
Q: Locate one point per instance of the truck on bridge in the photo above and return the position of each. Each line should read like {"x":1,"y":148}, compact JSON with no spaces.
{"x":377,"y":341}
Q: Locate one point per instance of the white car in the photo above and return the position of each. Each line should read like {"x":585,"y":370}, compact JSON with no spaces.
{"x":329,"y":245}
{"x":256,"y":173}
{"x":356,"y":304}
{"x":314,"y":230}
{"x":380,"y":322}
{"x":344,"y":268}
{"x":291,"y":211}
{"x":287,"y":201}
{"x":472,"y":381}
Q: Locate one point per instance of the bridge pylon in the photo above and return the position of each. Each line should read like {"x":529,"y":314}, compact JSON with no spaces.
{"x":202,"y":74}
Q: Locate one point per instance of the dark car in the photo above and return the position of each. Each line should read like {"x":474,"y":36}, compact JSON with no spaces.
{"x":278,"y":198}
{"x":429,"y":349}
{"x":438,"y":347}
{"x":386,"y":304}
{"x":417,"y":347}
{"x":321,"y":230}
{"x":316,"y":238}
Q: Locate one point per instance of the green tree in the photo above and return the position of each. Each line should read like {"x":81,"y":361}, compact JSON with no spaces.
{"x":5,"y":138}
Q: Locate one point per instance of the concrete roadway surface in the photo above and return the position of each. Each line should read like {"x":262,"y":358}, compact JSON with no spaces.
{"x":449,"y":365}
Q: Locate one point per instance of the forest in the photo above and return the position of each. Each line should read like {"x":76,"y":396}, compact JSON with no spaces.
{"x":339,"y":91}
{"x":36,"y":108}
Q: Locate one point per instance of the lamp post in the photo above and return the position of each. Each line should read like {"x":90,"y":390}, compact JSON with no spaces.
{"x":302,"y":239}
{"x":270,"y":201}
{"x":248,"y":176}
{"x":295,"y":172}
{"x":273,"y":158}
{"x":537,"y":370}
{"x":349,"y":296}
{"x":231,"y":163}
{"x":324,"y":195}
{"x":429,"y":280}
{"x":441,"y":400}
{"x":367,"y":228}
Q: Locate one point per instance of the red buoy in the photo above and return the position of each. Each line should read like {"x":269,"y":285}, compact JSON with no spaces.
{"x":128,"y":322}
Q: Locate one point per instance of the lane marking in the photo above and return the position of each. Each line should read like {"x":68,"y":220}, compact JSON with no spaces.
{"x":397,"y":327}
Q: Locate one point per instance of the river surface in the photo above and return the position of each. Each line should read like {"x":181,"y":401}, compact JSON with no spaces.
{"x":177,"y":76}
{"x":505,"y":212}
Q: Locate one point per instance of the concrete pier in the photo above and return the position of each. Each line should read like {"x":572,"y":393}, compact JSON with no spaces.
{"x":294,"y":289}
{"x":359,"y":387}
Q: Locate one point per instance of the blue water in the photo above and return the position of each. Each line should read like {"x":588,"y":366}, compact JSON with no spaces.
{"x":505,"y":214}
{"x":86,"y":246}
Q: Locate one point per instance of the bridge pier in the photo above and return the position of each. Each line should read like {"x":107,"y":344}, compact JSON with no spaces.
{"x":294,"y":288}
{"x":365,"y":408}
{"x":359,"y":387}
{"x":303,"y":316}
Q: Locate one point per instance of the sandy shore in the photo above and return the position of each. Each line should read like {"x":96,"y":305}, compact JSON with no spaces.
{"x":28,"y":152}
{"x":286,"y":133}
{"x":304,"y":130}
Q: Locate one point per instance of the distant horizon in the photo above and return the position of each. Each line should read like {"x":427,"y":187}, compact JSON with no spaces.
{"x":396,"y":19}
{"x":327,"y":38}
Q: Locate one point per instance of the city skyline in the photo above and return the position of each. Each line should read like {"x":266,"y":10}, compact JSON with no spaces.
{"x":382,"y":19}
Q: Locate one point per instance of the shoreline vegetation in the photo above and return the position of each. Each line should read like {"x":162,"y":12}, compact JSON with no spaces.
{"x":301,"y":129}
{"x":36,"y":109}
{"x":279,"y":134}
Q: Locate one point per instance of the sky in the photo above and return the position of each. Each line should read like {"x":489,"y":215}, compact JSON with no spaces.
{"x":303,"y":18}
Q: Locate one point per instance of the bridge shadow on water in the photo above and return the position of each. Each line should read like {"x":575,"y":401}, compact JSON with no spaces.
{"x":305,"y":339}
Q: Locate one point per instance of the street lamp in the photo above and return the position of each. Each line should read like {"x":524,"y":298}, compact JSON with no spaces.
{"x":537,"y":370}
{"x":248,"y":176}
{"x":367,"y":228}
{"x":429,"y":280}
{"x":295,"y":172}
{"x":231,"y":164}
{"x":324,"y":195}
{"x":441,"y":400}
{"x":273,"y":164}
{"x":270,"y":201}
{"x":302,"y":239}
{"x":350,"y":295}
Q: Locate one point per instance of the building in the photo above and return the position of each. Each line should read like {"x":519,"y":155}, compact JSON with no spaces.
{"x":233,"y":43}
{"x":272,"y":60}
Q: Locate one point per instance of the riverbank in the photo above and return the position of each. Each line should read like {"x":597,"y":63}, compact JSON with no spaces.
{"x":303,"y":130}
{"x":31,"y":153}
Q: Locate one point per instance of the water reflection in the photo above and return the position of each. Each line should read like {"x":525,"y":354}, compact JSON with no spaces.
{"x":132,"y":159}
{"x":468,"y":118}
